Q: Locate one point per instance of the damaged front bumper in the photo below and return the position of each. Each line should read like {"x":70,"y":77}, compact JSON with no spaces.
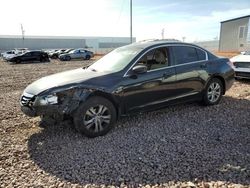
{"x":41,"y":110}
{"x":63,"y":103}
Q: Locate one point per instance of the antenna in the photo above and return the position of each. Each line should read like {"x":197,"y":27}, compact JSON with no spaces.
{"x":22,"y":30}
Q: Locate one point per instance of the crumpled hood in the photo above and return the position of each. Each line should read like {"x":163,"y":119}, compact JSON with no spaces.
{"x":61,"y":79}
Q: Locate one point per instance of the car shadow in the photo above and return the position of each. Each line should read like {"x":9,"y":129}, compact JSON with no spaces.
{"x":75,"y":60}
{"x":242,"y":80}
{"x":28,"y":62}
{"x":179,"y":143}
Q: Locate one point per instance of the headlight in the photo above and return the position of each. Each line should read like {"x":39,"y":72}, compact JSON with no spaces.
{"x":47,"y":100}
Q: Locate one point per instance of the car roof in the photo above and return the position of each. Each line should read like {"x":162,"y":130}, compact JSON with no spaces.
{"x":150,"y":43}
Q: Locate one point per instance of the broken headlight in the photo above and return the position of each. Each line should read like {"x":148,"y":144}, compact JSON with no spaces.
{"x":47,"y":100}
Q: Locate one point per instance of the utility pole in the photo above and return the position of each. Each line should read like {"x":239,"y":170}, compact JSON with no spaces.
{"x":162,"y":33}
{"x":22,"y":33}
{"x":131,"y":35}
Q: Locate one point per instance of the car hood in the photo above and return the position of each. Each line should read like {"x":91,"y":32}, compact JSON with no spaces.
{"x":9,"y":56}
{"x":64,"y":54}
{"x":67,"y":78}
{"x":240,"y":58}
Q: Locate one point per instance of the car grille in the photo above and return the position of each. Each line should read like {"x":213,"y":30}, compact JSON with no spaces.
{"x":27,"y":99}
{"x":242,"y":64}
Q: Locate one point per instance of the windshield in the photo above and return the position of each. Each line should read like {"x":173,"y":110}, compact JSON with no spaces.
{"x":116,"y":60}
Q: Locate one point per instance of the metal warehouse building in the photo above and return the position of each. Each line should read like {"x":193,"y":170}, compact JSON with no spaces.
{"x":235,"y":35}
{"x":97,"y":44}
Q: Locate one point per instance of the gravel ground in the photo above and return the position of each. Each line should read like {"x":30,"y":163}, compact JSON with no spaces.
{"x":181,"y":146}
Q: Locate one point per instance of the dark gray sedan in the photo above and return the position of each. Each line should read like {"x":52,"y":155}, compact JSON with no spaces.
{"x":77,"y":54}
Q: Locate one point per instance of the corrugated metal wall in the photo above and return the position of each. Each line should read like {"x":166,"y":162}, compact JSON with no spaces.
{"x":97,"y":44}
{"x":36,"y":43}
{"x":229,"y":35}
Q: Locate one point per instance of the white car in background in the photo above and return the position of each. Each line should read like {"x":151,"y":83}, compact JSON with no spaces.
{"x":9,"y":54}
{"x":242,"y":65}
{"x":4,"y":55}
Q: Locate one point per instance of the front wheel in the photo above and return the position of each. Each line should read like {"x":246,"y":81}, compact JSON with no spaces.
{"x":213,"y":92}
{"x":95,"y":117}
{"x":67,"y":58}
{"x":87,"y":57}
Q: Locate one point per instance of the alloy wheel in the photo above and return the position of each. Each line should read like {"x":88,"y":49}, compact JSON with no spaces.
{"x":214,"y":92}
{"x":97,"y":118}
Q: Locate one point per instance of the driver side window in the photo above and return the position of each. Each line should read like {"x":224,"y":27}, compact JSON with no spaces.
{"x":155,"y":59}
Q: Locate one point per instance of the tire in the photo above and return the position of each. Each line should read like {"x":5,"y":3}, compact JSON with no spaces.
{"x":18,"y":61}
{"x":67,"y":58}
{"x":87,"y":57}
{"x":41,"y":59}
{"x":213,"y":92}
{"x":54,"y":57}
{"x":89,"y":117}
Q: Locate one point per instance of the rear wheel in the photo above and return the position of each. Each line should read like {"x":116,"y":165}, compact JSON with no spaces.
{"x":67,"y":58}
{"x":95,"y":117}
{"x":54,"y":56}
{"x":18,"y":61}
{"x":213,"y":92}
{"x":87,"y":57}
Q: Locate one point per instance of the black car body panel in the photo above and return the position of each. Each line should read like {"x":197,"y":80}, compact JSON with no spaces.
{"x":128,"y":91}
{"x":29,"y":56}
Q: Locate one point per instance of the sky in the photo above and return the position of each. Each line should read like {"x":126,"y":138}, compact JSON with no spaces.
{"x":196,"y":20}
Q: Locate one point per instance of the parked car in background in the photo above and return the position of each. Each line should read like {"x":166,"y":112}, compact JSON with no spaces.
{"x":66,"y":51}
{"x":35,"y":55}
{"x":4,"y":55}
{"x":17,"y":51}
{"x":55,"y":54}
{"x":49,"y":50}
{"x":137,"y":77}
{"x":77,"y":54}
{"x":242,"y":65}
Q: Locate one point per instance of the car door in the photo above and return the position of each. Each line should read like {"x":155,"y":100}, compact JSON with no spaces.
{"x":152,"y":88}
{"x":73,"y":54}
{"x":36,"y":56}
{"x":191,"y":73}
{"x":78,"y":54}
{"x":27,"y":56}
{"x":82,"y":54}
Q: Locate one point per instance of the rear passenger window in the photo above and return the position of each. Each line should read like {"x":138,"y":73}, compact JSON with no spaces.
{"x":186,"y":54}
{"x":201,"y":54}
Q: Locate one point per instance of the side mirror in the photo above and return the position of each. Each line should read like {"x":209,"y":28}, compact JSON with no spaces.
{"x":139,"y":69}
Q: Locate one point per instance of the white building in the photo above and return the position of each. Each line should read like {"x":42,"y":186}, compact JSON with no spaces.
{"x":235,"y":35}
{"x":96,"y":44}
